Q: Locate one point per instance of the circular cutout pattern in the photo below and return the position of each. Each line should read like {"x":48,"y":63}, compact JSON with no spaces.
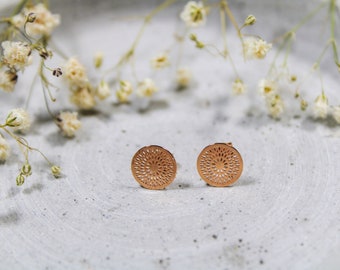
{"x":153,"y":167}
{"x":220,"y":164}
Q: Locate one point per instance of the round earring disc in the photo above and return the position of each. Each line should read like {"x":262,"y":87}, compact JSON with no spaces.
{"x":153,"y":167}
{"x":220,"y":165}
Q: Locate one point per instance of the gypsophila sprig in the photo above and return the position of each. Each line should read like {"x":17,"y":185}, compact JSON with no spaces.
{"x":18,"y":119}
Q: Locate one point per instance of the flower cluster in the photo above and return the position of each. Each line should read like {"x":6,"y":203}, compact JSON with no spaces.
{"x":273,"y":100}
{"x":83,"y":94}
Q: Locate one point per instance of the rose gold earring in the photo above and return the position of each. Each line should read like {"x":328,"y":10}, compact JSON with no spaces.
{"x":153,"y":167}
{"x":220,"y":164}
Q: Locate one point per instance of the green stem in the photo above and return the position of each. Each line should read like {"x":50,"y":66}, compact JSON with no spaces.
{"x":224,"y":31}
{"x":333,"y":24}
{"x":308,"y":17}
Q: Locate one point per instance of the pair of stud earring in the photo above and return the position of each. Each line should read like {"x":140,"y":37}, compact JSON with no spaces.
{"x":219,"y":165}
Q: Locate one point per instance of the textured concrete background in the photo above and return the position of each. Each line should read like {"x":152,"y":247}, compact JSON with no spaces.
{"x":283,"y":213}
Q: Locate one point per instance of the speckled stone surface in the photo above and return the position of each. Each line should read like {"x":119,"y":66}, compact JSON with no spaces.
{"x":283,"y":213}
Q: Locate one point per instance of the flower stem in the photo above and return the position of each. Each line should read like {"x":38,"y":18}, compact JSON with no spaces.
{"x":333,"y":41}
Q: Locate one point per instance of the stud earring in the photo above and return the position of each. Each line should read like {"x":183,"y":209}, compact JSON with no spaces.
{"x":220,"y":164}
{"x":153,"y":167}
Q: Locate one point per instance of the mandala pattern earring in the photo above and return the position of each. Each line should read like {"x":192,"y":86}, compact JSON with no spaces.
{"x":153,"y":167}
{"x":220,"y":164}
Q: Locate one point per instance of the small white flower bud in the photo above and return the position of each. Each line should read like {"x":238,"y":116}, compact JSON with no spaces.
{"x":56,"y":171}
{"x":321,"y":106}
{"x":250,"y":20}
{"x":303,"y":105}
{"x":238,"y":87}
{"x":98,"y":59}
{"x":183,"y":77}
{"x":31,"y":17}
{"x":20,"y":180}
{"x":26,"y":170}
{"x":103,"y":90}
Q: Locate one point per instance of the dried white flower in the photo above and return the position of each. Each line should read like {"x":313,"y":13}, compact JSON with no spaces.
{"x":4,"y":149}
{"x":8,"y":80}
{"x":41,"y":20}
{"x":256,"y":48}
{"x":275,"y":105}
{"x":183,"y":77}
{"x":16,"y":54}
{"x":321,"y":106}
{"x":103,"y":90}
{"x":124,"y":91}
{"x":267,"y":87}
{"x":238,"y":87}
{"x":75,"y":73}
{"x":336,"y":114}
{"x":83,"y":98}
{"x":18,"y":119}
{"x":146,"y":88}
{"x":160,"y":61}
{"x":68,"y":123}
{"x":194,"y":14}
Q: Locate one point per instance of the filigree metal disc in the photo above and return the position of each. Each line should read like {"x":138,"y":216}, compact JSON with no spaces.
{"x":220,"y":164}
{"x":153,"y":167}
